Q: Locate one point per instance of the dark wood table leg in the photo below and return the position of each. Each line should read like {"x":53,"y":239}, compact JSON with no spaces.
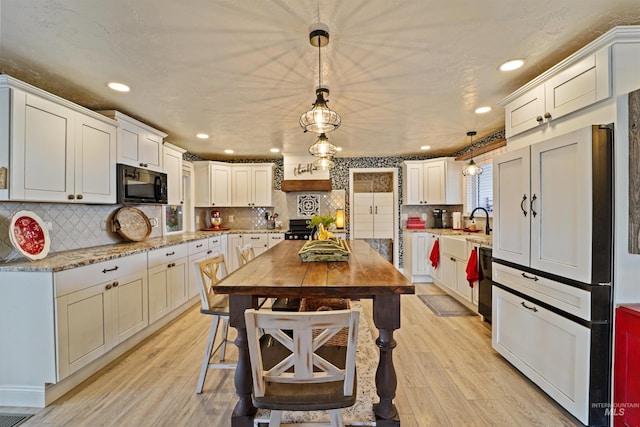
{"x":244,"y":411}
{"x":386,"y":316}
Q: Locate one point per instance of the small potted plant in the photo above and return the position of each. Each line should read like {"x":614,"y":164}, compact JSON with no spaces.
{"x":320,"y":225}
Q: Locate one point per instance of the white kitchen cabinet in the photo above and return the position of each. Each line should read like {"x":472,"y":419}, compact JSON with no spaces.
{"x":577,"y":86}
{"x":252,"y":184}
{"x":417,"y":266}
{"x":198,"y":251}
{"x":97,"y":307}
{"x":56,"y":151}
{"x":139,"y":145}
{"x":259,"y":242}
{"x":549,"y":349}
{"x":432,"y":182}
{"x":436,"y":272}
{"x":373,"y":216}
{"x":168,"y":280}
{"x":543,"y":216}
{"x":213,"y":184}
{"x":172,"y":164}
{"x":275,"y":238}
{"x":454,"y":256}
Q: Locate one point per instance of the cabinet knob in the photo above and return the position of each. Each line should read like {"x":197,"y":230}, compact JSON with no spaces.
{"x":108,"y":286}
{"x":115,"y":284}
{"x":539,"y":119}
{"x":173,"y":264}
{"x":547,"y":115}
{"x":71,"y":197}
{"x":79,"y":197}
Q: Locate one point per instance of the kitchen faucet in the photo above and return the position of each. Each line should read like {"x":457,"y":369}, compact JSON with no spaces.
{"x":487,"y":230}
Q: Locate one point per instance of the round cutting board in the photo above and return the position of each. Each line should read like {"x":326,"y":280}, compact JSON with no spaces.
{"x":131,"y":224}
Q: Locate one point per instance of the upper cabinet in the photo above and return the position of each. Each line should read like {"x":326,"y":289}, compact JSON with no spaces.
{"x":54,"y":150}
{"x":172,"y":161}
{"x":138,"y":144}
{"x":252,"y":184}
{"x":574,"y":86}
{"x":432,"y":182}
{"x":213,"y":184}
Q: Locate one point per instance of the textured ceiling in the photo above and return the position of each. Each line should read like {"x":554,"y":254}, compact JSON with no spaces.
{"x":402,"y":73}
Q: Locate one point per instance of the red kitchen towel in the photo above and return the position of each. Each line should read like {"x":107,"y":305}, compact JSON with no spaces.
{"x":472,"y":268}
{"x":434,"y":257}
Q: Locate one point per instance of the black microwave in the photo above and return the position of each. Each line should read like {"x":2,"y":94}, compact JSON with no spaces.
{"x":137,"y":186}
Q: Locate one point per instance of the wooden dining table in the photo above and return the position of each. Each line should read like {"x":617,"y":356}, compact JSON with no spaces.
{"x":280,"y":273}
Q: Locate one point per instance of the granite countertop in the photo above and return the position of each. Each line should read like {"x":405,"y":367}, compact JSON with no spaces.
{"x":79,"y":257}
{"x":477,"y":237}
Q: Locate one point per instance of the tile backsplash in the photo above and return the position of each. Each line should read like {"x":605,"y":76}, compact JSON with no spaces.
{"x":73,"y":226}
{"x":284,"y":204}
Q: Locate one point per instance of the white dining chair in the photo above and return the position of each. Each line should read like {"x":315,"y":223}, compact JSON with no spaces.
{"x":294,"y":368}
{"x":209,"y":272}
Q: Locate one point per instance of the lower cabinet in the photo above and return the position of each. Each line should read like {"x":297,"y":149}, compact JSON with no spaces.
{"x":417,"y":266}
{"x":93,"y":318}
{"x":259,"y":242}
{"x":549,"y":349}
{"x":168,"y":280}
{"x":454,"y":255}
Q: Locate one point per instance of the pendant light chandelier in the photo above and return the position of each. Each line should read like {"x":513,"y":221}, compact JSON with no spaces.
{"x":471,"y":169}
{"x":320,"y":119}
{"x":323,"y":148}
{"x":324,"y":163}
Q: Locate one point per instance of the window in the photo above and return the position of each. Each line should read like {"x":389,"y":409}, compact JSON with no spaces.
{"x":479,"y":189}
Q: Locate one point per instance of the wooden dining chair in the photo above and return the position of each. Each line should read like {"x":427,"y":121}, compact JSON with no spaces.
{"x":294,"y":368}
{"x":245,"y":254}
{"x":210,"y":271}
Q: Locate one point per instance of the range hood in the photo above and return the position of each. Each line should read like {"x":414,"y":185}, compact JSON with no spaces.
{"x":290,"y":185}
{"x":301,"y":175}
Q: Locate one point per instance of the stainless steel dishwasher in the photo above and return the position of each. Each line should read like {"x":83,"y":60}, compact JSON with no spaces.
{"x":484,"y":286}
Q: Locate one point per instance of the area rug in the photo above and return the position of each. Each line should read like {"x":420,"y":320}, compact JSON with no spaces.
{"x":360,"y":414}
{"x":12,"y":420}
{"x":445,"y":306}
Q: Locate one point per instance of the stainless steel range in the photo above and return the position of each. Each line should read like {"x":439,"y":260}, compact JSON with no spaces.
{"x":298,"y":230}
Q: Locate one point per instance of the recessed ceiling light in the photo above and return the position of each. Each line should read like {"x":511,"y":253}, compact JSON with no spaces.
{"x":228,"y":151}
{"x":120,"y":87}
{"x":275,"y":150}
{"x":514,"y":64}
{"x":425,"y":147}
{"x":481,"y":110}
{"x":202,"y":136}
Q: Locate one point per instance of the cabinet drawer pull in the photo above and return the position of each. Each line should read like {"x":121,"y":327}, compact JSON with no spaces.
{"x":255,"y":238}
{"x":534,"y":278}
{"x":452,"y":259}
{"x":533,"y":212}
{"x":106,"y":270}
{"x":529,"y":308}
{"x":115,"y":284}
{"x":199,"y":246}
{"x":170,"y":253}
{"x":524,"y":199}
{"x":209,"y":251}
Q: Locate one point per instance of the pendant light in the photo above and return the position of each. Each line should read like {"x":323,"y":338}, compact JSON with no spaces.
{"x":320,"y":119}
{"x":324,"y":163}
{"x":323,"y":148}
{"x":471,"y":169}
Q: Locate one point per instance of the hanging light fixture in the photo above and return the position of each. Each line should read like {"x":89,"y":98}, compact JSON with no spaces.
{"x":323,"y":148}
{"x":320,"y":119}
{"x":471,"y":169}
{"x":324,"y":163}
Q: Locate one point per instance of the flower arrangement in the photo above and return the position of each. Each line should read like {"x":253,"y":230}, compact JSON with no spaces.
{"x":320,"y":225}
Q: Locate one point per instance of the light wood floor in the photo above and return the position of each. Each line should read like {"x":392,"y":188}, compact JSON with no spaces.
{"x":448,"y":375}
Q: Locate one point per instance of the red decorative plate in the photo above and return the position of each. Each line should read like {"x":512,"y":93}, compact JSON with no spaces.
{"x":29,"y":235}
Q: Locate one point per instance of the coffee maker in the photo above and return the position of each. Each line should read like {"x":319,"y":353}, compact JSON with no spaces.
{"x":437,"y":218}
